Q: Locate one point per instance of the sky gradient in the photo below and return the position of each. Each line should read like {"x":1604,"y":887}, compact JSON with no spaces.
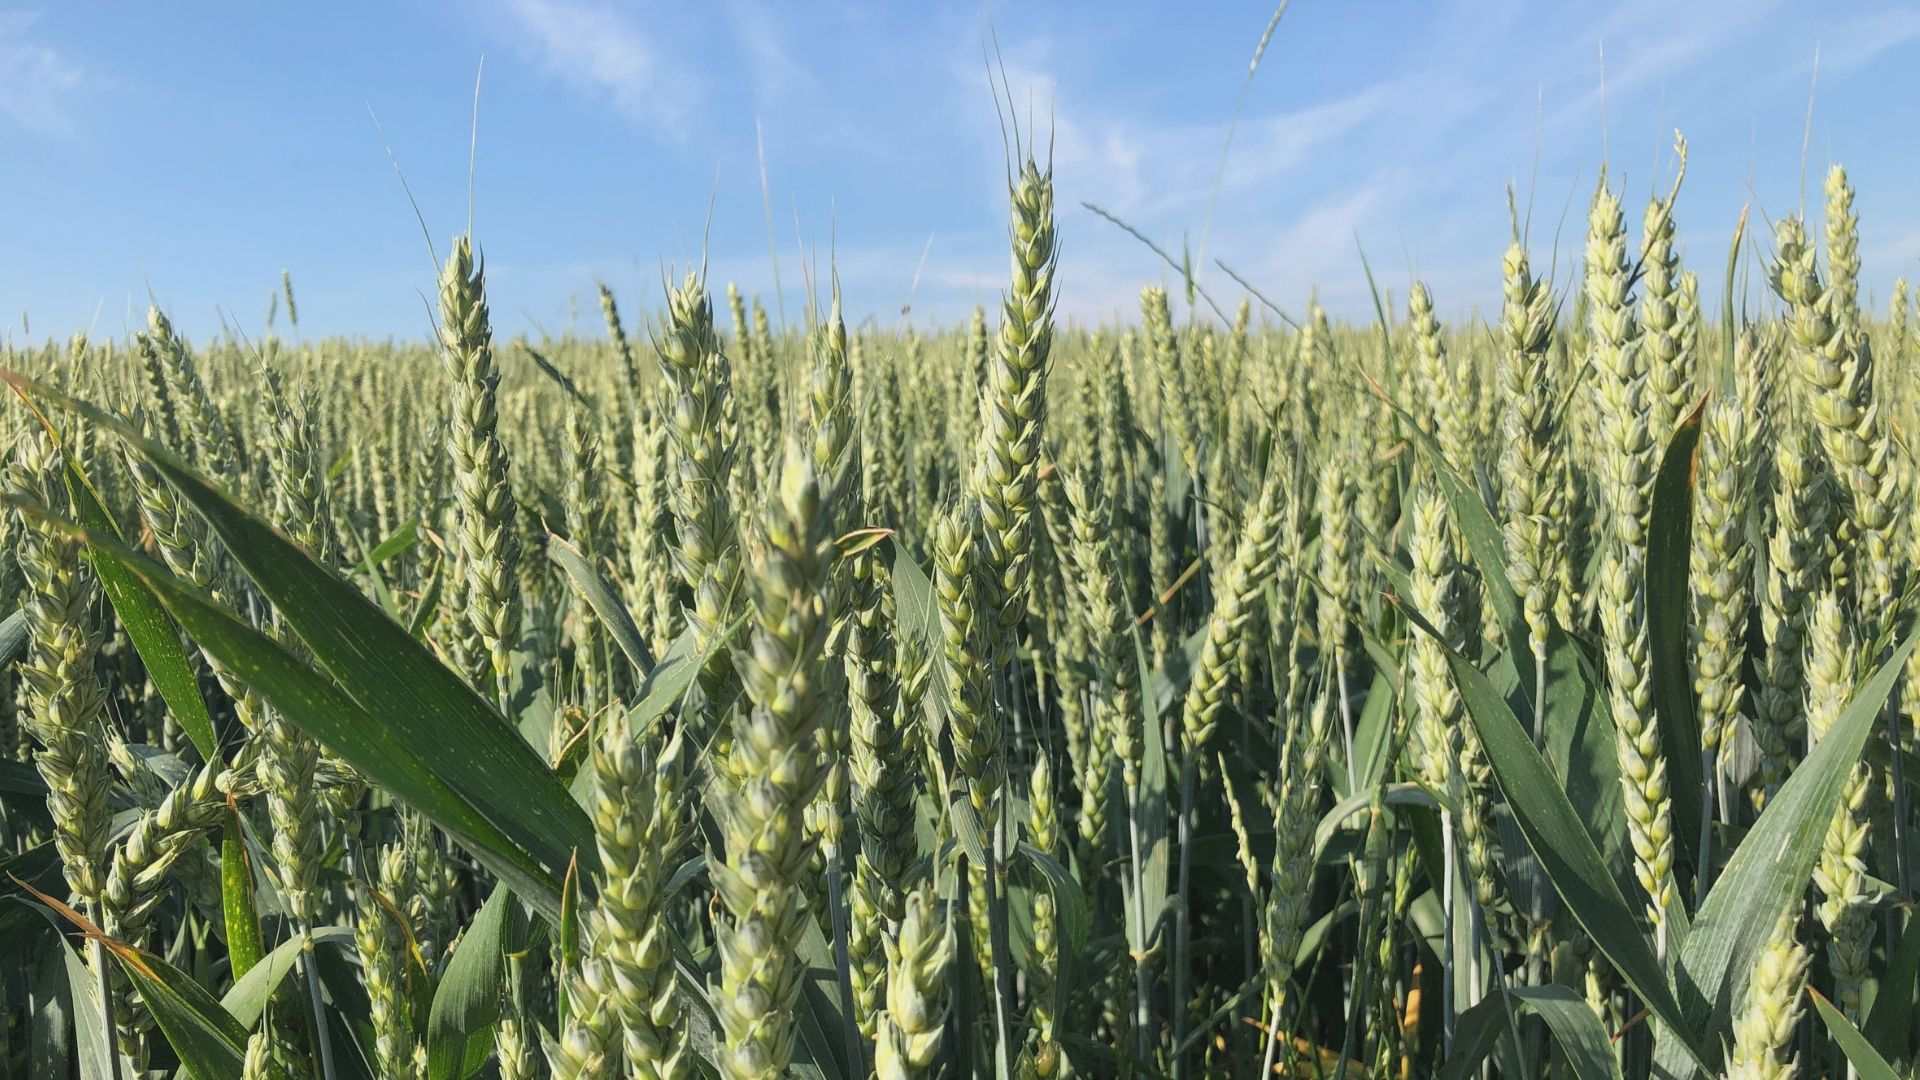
{"x":192,"y":159}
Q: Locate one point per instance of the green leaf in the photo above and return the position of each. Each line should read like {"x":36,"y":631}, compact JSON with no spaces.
{"x":152,"y":633}
{"x":246,"y":1000}
{"x":1560,"y":841}
{"x":240,"y":920}
{"x":396,"y":711}
{"x":1397,"y":794}
{"x":1860,"y":1053}
{"x":93,"y":1041}
{"x":1153,"y":803}
{"x":599,"y":595}
{"x":468,"y":997}
{"x":50,"y":1042}
{"x":1891,"y":1021}
{"x":1575,"y":1028}
{"x":1769,"y":871}
{"x":568,"y":961}
{"x":22,"y":778}
{"x":13,"y":636}
{"x":1669,"y":529}
{"x":400,"y":751}
{"x":669,"y":680}
{"x":211,"y":1044}
{"x":1373,"y":733}
{"x":917,"y":614}
{"x":1068,"y":900}
{"x":404,"y":539}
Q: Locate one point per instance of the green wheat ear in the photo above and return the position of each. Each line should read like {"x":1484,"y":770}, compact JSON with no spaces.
{"x":488,"y":540}
{"x":777,"y":774}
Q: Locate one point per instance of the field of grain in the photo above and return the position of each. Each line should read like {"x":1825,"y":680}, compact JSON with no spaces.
{"x":1227,"y":694}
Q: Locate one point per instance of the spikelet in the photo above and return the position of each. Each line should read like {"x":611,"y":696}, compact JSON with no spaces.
{"x":1839,"y":874}
{"x":1764,"y":1029}
{"x":918,"y":956}
{"x":884,"y":770}
{"x":486,"y":525}
{"x":1628,"y":456}
{"x":1013,"y":407}
{"x":61,"y":695}
{"x":1236,"y":605}
{"x":778,"y":773}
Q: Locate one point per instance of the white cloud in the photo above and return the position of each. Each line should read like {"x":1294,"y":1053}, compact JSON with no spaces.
{"x":1857,"y":41}
{"x":601,"y":52}
{"x":777,"y":75}
{"x":37,"y":81}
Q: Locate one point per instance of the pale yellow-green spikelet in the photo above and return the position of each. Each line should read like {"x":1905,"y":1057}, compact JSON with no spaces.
{"x":1846,"y":900}
{"x":1763,"y":1030}
{"x":1628,"y":455}
{"x":918,"y":957}
{"x":777,"y":773}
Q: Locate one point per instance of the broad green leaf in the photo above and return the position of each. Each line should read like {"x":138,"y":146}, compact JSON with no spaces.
{"x":22,"y":778}
{"x":568,"y":961}
{"x":917,"y":614}
{"x":13,"y":636}
{"x":1151,"y":812}
{"x":246,"y":1000}
{"x":404,"y":757}
{"x":50,"y":1047}
{"x":1398,"y":794}
{"x":613,"y":614}
{"x":1070,"y":904}
{"x":1372,"y":736}
{"x":211,"y":1044}
{"x":468,"y":997}
{"x":969,"y":831}
{"x":1770,"y":869}
{"x":403,"y":540}
{"x":1560,"y":841}
{"x":1069,"y":901}
{"x":1866,"y":1061}
{"x":1669,"y":528}
{"x":1892,"y":1020}
{"x":1579,"y":1033}
{"x":93,"y":1041}
{"x":240,"y":920}
{"x":668,"y":680}
{"x":153,"y":634}
{"x":408,"y":708}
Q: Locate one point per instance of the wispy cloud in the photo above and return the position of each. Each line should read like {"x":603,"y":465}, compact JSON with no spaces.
{"x":1858,"y":40}
{"x":37,"y":80}
{"x":599,"y":51}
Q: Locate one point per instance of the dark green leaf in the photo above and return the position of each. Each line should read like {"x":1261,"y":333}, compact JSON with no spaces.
{"x":13,"y":636}
{"x":1769,"y":871}
{"x":409,"y":708}
{"x":1575,"y":1028}
{"x":1560,"y":841}
{"x":211,"y":1044}
{"x":599,"y":595}
{"x":1892,"y":1022}
{"x":246,"y":1000}
{"x":1860,"y":1053}
{"x":1668,"y":532}
{"x":239,"y":919}
{"x":152,"y":633}
{"x":402,"y":755}
{"x":468,"y":997}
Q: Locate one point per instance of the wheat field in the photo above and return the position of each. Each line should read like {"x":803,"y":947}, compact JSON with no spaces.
{"x":1224,"y":694}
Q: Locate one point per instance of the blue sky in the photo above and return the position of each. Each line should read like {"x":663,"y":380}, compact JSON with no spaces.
{"x":193,"y":156}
